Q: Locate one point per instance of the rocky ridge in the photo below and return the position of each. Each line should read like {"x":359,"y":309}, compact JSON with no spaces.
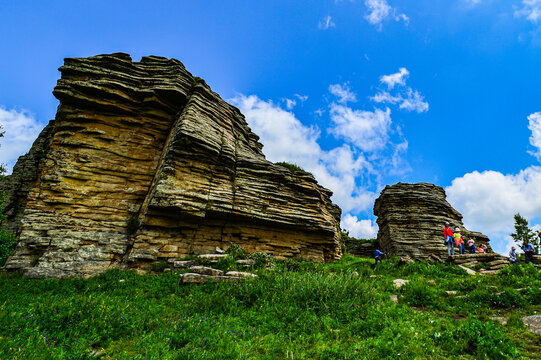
{"x":144,"y":163}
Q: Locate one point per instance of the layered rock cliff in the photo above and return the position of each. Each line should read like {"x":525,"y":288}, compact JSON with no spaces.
{"x":411,"y":218}
{"x":143,"y":163}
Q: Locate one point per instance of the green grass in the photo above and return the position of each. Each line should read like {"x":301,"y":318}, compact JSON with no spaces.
{"x":340,"y":310}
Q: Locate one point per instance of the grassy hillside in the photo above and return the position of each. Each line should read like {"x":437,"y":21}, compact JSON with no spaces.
{"x":297,"y":310}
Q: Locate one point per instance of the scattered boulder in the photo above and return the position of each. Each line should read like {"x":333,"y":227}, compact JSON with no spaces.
{"x":182,"y":263}
{"x":241,"y":274}
{"x":204,"y":270}
{"x":468,"y":270}
{"x":533,"y":323}
{"x":193,"y":278}
{"x":398,"y":283}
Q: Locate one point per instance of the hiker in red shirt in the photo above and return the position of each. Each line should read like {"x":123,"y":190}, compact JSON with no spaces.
{"x":449,"y":240}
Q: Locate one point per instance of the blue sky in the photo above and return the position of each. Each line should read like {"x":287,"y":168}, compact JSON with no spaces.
{"x":362,"y":93}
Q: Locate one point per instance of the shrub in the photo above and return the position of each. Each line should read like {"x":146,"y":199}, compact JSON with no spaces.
{"x":261,"y":259}
{"x":158,"y":266}
{"x":236,"y":251}
{"x":226,"y":263}
{"x":7,"y":244}
{"x":418,"y":294}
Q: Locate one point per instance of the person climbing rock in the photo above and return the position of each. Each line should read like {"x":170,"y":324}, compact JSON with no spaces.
{"x":449,"y":240}
{"x":378,"y":256}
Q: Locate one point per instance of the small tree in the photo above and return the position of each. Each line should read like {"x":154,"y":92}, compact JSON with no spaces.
{"x":523,"y":232}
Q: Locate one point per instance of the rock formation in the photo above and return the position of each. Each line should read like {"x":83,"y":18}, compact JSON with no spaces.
{"x":144,"y":163}
{"x":411,"y":218}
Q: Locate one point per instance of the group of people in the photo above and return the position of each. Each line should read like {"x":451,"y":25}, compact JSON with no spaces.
{"x":456,"y":239}
{"x":528,"y":253}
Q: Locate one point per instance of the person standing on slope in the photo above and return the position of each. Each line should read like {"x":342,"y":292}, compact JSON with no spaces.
{"x":449,"y":240}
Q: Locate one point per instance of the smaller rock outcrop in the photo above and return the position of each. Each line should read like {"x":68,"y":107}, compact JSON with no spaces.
{"x":411,"y":219}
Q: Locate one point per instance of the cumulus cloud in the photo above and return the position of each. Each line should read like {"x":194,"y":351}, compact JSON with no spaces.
{"x":531,"y":10}
{"x":21,"y":129}
{"x":343,"y":92}
{"x":302,"y":98}
{"x":286,"y":138}
{"x":368,"y":130}
{"x":404,"y":96}
{"x":360,"y":229}
{"x":534,"y":124}
{"x":398,"y":78}
{"x":290,"y":104}
{"x":380,"y":10}
{"x":326,"y":23}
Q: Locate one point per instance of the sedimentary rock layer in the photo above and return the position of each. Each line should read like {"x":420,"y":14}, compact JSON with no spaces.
{"x":411,"y":218}
{"x":145,"y":163}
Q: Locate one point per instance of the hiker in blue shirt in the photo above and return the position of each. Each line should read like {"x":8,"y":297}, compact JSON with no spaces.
{"x":378,"y":255}
{"x":528,"y":251}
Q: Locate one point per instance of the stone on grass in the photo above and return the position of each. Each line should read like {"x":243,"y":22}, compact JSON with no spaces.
{"x":182,"y":263}
{"x":468,"y":270}
{"x":193,"y":278}
{"x":398,"y":283}
{"x":204,"y":270}
{"x":533,"y":323}
{"x":246,"y":262}
{"x":240,"y":274}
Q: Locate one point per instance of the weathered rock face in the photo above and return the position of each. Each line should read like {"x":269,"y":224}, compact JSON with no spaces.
{"x":411,"y":218}
{"x":145,"y":163}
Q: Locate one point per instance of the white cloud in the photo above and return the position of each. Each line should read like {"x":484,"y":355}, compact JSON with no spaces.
{"x":534,"y":124}
{"x":285,"y":138}
{"x":367,"y":130}
{"x":290,"y":104}
{"x":488,"y":200}
{"x":302,"y":98}
{"x":360,"y":229}
{"x":21,"y":129}
{"x":406,"y":98}
{"x":343,"y":92}
{"x":326,"y":23}
{"x":531,"y":10}
{"x":380,"y":10}
{"x":398,"y":78}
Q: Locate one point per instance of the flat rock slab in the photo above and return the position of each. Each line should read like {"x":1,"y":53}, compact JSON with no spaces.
{"x":203,"y":270}
{"x":398,"y":283}
{"x":240,"y":274}
{"x":212,"y":256}
{"x":468,"y":270}
{"x":182,"y":263}
{"x":533,"y":323}
{"x":246,"y":262}
{"x":193,"y":278}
